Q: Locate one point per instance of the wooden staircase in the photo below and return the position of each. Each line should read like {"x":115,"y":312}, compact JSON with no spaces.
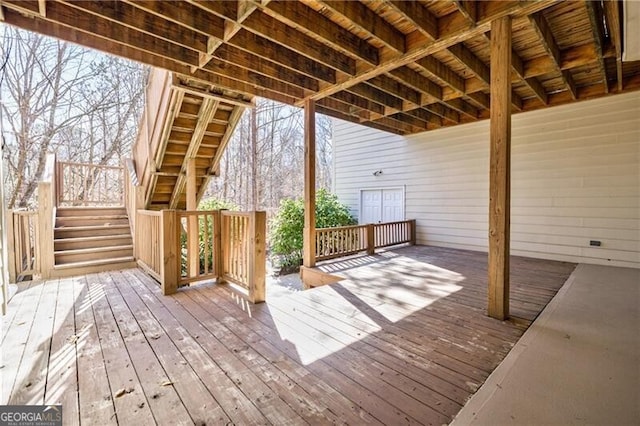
{"x":91,"y":239}
{"x":183,"y":120}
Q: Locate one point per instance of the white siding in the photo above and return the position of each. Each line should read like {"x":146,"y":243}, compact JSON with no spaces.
{"x":575,"y":178}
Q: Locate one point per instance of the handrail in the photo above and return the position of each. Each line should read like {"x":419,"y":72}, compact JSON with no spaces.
{"x":83,"y":184}
{"x":343,"y":241}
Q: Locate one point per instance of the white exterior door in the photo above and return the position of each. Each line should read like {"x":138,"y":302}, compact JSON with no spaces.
{"x":381,"y":205}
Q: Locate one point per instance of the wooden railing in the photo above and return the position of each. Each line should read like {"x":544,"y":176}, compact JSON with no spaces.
{"x":23,"y":244}
{"x":201,"y":262}
{"x":347,"y":240}
{"x":394,"y":233}
{"x":243,"y":245}
{"x":230,"y":247}
{"x":81,"y":184}
{"x":340,"y":241}
{"x":147,"y":242}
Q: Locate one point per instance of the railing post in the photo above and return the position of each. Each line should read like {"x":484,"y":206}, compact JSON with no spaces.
{"x":257,"y":256}
{"x":11,"y":248}
{"x":371,"y":242}
{"x":169,"y":265}
{"x":47,"y":202}
{"x":412,"y":225}
{"x":218,"y":254}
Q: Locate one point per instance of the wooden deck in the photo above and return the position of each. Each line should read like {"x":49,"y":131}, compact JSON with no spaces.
{"x":404,"y":340}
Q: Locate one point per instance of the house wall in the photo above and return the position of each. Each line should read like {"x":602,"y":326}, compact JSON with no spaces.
{"x":575,"y":178}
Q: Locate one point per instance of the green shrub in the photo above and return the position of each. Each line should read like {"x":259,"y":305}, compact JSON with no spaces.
{"x":288,"y":223}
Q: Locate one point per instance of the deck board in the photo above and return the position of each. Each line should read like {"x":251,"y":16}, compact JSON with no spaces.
{"x":404,"y":339}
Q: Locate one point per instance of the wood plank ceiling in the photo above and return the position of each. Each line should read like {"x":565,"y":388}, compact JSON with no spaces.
{"x":399,"y":66}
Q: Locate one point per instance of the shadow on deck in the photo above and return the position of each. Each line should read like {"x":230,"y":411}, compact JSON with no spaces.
{"x":404,"y":339}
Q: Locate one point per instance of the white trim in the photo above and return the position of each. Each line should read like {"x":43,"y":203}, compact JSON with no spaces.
{"x":403,"y":188}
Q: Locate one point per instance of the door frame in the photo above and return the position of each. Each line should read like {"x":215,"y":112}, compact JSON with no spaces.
{"x":403,"y":188}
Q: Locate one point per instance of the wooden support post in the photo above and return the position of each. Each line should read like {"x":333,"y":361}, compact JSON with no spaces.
{"x":169,"y":266}
{"x":257,"y":256}
{"x":138,"y":204}
{"x":218,"y":255}
{"x":500,"y":168}
{"x":371,"y":239}
{"x":309,"y":235}
{"x":10,"y":248}
{"x":193,"y":234}
{"x":412,"y":226}
{"x":46,"y":211}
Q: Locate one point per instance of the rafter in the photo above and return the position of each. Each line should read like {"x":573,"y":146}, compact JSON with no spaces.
{"x":285,"y":56}
{"x":369,"y":22}
{"x":448,"y":35}
{"x":244,"y":8}
{"x":315,"y":25}
{"x":546,"y":36}
{"x":274,"y":30}
{"x":424,"y":20}
{"x":265,"y":67}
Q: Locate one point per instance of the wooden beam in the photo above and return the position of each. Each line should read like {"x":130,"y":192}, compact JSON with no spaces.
{"x":468,"y":9}
{"x":449,"y":33}
{"x":612,"y":13}
{"x":500,"y":169}
{"x":442,"y":73}
{"x":331,"y":112}
{"x":479,"y":69}
{"x":309,"y":235}
{"x":193,"y":234}
{"x":185,"y":14}
{"x":139,"y":20}
{"x":368,"y":21}
{"x":543,"y":30}
{"x":213,"y":96}
{"x":243,"y":75}
{"x":72,"y":16}
{"x":289,"y":58}
{"x":594,"y":10}
{"x":244,"y":8}
{"x":265,"y":67}
{"x":316,"y":25}
{"x":419,"y":16}
{"x":395,"y":88}
{"x":274,"y":30}
{"x":376,"y":95}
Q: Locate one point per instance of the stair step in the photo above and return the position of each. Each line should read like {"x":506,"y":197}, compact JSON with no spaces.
{"x":73,"y":221}
{"x":93,"y":266}
{"x":90,"y":211}
{"x":92,"y":254}
{"x":90,"y":231}
{"x":61,"y":244}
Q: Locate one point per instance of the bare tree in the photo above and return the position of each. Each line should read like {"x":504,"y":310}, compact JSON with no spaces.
{"x":263,"y":163}
{"x":63,"y":98}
